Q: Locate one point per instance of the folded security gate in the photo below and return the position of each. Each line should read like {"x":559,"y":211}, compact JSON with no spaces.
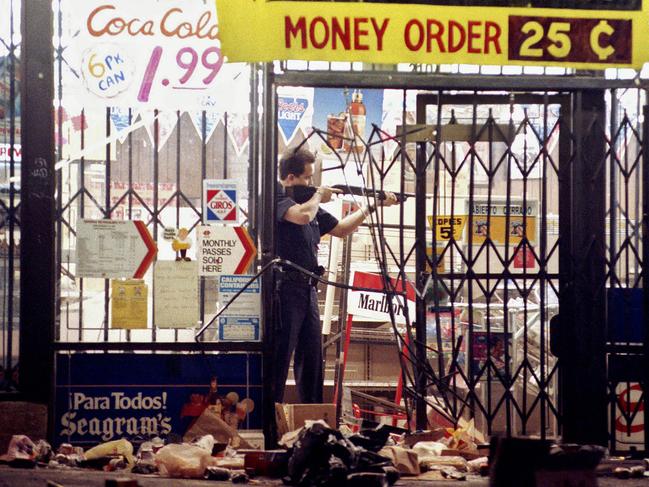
{"x":522,"y":244}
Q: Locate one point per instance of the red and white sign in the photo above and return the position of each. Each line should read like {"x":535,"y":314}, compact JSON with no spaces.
{"x":376,"y":305}
{"x":113,"y":249}
{"x":8,"y":150}
{"x":221,"y":197}
{"x":524,"y":258}
{"x":224,"y":250}
{"x":629,"y":427}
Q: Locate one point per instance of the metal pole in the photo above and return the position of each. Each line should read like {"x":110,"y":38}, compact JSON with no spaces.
{"x":267,"y":242}
{"x":645,"y":256}
{"x":420,"y":265}
{"x":37,"y":258}
{"x":583,"y":300}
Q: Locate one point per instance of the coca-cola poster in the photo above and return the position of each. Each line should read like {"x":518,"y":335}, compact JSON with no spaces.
{"x":163,"y":55}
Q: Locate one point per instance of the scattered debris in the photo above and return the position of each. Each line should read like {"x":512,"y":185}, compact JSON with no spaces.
{"x":183,"y":460}
{"x":323,"y":456}
{"x":217,"y":473}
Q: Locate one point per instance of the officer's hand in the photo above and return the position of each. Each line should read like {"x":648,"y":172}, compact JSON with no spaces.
{"x":326,"y":193}
{"x":390,"y":199}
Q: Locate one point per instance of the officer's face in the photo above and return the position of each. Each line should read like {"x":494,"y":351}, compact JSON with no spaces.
{"x":304,"y":179}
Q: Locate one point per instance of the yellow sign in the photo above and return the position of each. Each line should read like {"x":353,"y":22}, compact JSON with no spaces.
{"x":441,"y":268}
{"x":492,"y":221}
{"x":129,"y":304}
{"x":425,"y":34}
{"x":447,"y":226}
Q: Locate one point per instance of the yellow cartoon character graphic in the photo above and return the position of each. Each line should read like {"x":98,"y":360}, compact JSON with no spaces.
{"x":181,"y":243}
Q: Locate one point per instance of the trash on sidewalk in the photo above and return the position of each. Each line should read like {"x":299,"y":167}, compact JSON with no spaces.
{"x":323,"y":456}
{"x":269,"y":463}
{"x":184,"y":461}
{"x":21,"y":453}
{"x":522,"y":461}
{"x":209,"y":423}
{"x":405,"y":460}
{"x":114,"y":448}
{"x":217,"y":473}
{"x":291,"y":417}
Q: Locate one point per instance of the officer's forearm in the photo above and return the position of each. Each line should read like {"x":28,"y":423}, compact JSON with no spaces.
{"x":302,"y":214}
{"x":350,"y":223}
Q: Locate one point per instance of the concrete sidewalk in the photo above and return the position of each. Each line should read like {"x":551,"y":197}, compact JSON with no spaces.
{"x":88,"y":478}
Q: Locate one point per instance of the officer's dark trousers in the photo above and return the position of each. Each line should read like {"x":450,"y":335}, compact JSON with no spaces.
{"x":299,"y":332}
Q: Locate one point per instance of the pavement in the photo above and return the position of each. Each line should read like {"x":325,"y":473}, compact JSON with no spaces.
{"x":10,"y":477}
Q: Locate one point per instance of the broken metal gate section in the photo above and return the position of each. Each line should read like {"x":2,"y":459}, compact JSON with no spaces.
{"x":535,"y":208}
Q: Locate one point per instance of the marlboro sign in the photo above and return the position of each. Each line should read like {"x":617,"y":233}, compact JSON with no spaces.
{"x":376,"y":305}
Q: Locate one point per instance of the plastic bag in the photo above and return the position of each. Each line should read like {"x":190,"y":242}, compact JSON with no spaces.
{"x":20,"y":448}
{"x":183,"y":460}
{"x":117,"y":447}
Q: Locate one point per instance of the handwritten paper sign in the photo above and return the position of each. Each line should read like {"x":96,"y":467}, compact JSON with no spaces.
{"x":175,"y":294}
{"x":162,"y":54}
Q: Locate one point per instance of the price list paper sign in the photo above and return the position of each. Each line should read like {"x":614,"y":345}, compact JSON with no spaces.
{"x":129,"y":304}
{"x":113,"y":249}
{"x":417,"y":33}
{"x":175,"y":294}
{"x":130,"y":53}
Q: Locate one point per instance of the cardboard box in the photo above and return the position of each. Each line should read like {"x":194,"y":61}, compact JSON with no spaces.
{"x":290,"y":417}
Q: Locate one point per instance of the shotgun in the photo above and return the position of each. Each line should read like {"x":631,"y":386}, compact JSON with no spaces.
{"x":302,"y":194}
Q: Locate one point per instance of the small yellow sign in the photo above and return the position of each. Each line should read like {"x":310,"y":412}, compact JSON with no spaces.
{"x":447,"y":226}
{"x":129,"y":304}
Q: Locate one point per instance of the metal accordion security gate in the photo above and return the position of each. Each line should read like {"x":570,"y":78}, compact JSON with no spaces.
{"x":526,"y":255}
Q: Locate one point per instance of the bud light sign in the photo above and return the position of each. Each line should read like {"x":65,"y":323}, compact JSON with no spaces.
{"x":290,"y":112}
{"x":220,"y":198}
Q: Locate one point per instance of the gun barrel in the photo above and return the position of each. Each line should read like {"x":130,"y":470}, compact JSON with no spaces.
{"x":359,"y":191}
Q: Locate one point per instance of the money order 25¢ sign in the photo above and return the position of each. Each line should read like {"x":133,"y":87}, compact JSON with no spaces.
{"x":424,"y":33}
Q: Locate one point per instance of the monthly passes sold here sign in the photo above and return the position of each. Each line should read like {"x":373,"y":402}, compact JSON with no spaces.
{"x":224,"y":250}
{"x":409,"y":33}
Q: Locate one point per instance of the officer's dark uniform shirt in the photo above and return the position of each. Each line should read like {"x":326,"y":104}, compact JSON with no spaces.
{"x":299,"y":243}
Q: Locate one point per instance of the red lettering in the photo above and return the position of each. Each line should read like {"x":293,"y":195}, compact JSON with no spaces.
{"x":414,"y":46}
{"x":474,"y":34}
{"x":186,"y":29}
{"x":437,"y":35}
{"x":117,"y":25}
{"x":380,"y":32}
{"x":492,"y":38}
{"x":340,"y":32}
{"x":291,"y":30}
{"x":136,"y":26}
{"x":221,"y":205}
{"x":312,"y":32}
{"x":359,"y":32}
{"x":203,"y":22}
{"x":89,"y":23}
{"x":454,"y":26}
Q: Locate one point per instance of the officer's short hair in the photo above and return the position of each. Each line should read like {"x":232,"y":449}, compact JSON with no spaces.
{"x":293,"y":162}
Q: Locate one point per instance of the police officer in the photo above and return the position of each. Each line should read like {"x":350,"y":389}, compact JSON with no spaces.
{"x":299,"y":228}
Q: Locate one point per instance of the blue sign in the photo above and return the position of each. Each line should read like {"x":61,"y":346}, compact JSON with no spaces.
{"x":236,"y":328}
{"x":290,"y":112}
{"x":104,"y":397}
